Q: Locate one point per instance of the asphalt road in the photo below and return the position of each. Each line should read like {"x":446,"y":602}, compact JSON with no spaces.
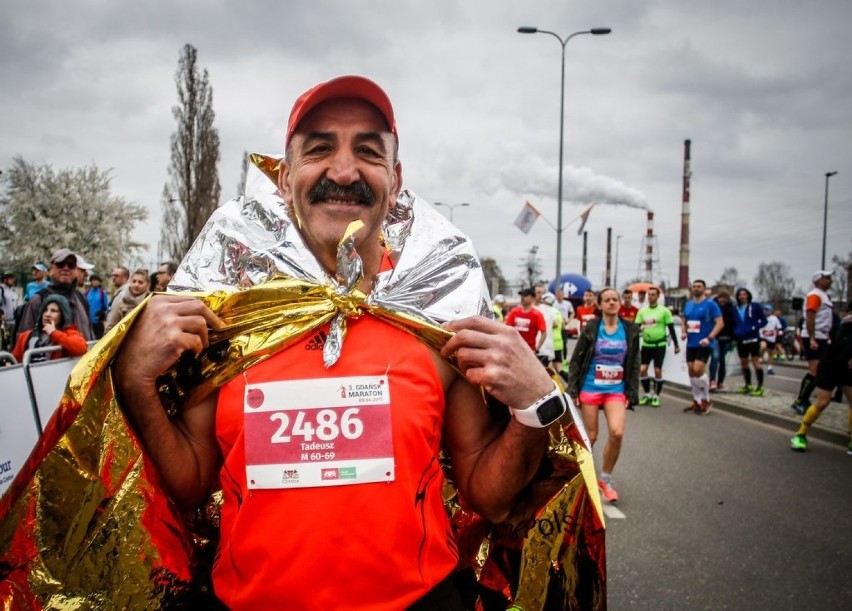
{"x":787,"y":378}
{"x":717,"y":512}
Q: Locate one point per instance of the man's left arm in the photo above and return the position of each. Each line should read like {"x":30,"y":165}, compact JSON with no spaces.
{"x":542,"y":332}
{"x":492,"y":462}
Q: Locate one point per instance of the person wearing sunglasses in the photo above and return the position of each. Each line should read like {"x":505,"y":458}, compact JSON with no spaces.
{"x":63,"y":281}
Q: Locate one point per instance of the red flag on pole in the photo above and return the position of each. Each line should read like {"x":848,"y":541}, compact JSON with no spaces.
{"x":584,"y":216}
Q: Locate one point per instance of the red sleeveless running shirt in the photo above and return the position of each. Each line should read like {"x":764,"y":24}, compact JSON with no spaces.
{"x":305,"y":541}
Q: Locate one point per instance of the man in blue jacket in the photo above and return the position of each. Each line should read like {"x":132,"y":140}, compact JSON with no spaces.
{"x":749,"y":320}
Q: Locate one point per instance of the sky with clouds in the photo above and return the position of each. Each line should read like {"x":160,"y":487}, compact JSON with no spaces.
{"x":763,"y":89}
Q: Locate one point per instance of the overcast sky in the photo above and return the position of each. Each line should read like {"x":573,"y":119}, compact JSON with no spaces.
{"x":763,"y":89}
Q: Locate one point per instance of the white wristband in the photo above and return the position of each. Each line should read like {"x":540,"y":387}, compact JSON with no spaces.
{"x":543,"y":412}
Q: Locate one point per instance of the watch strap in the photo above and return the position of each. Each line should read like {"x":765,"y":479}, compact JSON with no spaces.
{"x":530,"y":416}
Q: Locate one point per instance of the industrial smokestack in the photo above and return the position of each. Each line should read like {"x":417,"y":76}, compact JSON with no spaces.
{"x":683,"y":271}
{"x":608,"y":257}
{"x":649,"y":248}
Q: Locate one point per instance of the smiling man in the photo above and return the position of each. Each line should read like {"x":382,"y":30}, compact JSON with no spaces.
{"x":345,"y":538}
{"x":63,"y":281}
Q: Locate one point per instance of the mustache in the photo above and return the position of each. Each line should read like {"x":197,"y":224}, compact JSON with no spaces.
{"x":327,"y":189}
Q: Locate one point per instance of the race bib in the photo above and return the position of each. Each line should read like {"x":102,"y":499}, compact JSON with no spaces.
{"x":608,"y":375}
{"x":649,"y":322}
{"x":693,"y":326}
{"x":324,"y":432}
{"x":768,"y":333}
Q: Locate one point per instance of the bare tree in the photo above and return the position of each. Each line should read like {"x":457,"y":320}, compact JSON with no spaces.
{"x":494,"y":276}
{"x":774,"y":283}
{"x":192,"y":191}
{"x":730,"y":277}
{"x":842,"y":285}
{"x":44,"y":209}
{"x":241,"y":186}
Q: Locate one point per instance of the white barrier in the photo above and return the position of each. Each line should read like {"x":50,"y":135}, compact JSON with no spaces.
{"x":18,"y":431}
{"x":29,"y":394}
{"x":47,"y":381}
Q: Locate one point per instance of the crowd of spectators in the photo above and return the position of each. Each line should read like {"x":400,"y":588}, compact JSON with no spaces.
{"x":67,"y":304}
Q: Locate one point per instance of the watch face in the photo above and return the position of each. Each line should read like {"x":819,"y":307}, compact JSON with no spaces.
{"x":550,"y":410}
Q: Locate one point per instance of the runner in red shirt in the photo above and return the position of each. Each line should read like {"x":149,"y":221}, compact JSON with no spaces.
{"x":589,"y":310}
{"x":627,"y":311}
{"x":528,"y":320}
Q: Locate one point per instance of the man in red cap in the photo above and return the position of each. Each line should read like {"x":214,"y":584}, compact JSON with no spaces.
{"x":342,"y":543}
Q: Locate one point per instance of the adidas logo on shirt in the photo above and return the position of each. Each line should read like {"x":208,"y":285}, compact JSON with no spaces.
{"x":317,"y":342}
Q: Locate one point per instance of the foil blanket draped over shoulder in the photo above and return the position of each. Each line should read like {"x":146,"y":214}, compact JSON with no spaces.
{"x":86,"y":524}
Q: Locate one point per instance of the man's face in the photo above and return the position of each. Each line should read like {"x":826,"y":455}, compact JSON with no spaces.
{"x":527,"y":300}
{"x":341,"y":168}
{"x":163,"y":277}
{"x":742,"y":297}
{"x":698,"y":290}
{"x":539,"y":291}
{"x":65,"y":271}
{"x":95,"y":282}
{"x":38,"y":275}
{"x":9,"y":281}
{"x":653,"y":297}
{"x":559,"y":295}
{"x":588,"y":298}
{"x":82,"y":276}
{"x":627,"y":298}
{"x":118,"y":277}
{"x":824,"y":283}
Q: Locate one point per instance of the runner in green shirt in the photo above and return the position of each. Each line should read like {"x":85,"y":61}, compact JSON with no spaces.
{"x":654,"y":318}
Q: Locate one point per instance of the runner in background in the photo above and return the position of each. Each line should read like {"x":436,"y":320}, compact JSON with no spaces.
{"x":589,"y":310}
{"x":528,"y":321}
{"x":654,"y":319}
{"x":702,"y":322}
{"x":769,"y":335}
{"x":628,"y":311}
{"x":604,"y":375}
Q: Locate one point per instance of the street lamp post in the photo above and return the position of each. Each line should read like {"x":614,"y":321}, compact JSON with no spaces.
{"x":825,"y":216}
{"x":452,"y":207}
{"x":615,"y":275}
{"x":563,"y":42}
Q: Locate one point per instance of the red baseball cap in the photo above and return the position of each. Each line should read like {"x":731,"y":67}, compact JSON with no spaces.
{"x":350,"y":86}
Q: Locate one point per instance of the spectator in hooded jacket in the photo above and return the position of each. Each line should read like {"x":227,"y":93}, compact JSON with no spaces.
{"x":53,"y":328}
{"x":749,"y":320}
{"x":136,"y":290}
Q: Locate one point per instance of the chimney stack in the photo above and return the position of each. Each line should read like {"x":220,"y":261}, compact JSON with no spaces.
{"x":649,"y":248}
{"x":683,"y":270}
{"x":608,"y":277}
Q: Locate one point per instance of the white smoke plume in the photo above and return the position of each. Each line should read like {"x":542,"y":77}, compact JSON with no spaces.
{"x":530,"y":177}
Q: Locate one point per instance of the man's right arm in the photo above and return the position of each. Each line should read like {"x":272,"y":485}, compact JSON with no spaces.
{"x":810,"y":325}
{"x":184,"y":450}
